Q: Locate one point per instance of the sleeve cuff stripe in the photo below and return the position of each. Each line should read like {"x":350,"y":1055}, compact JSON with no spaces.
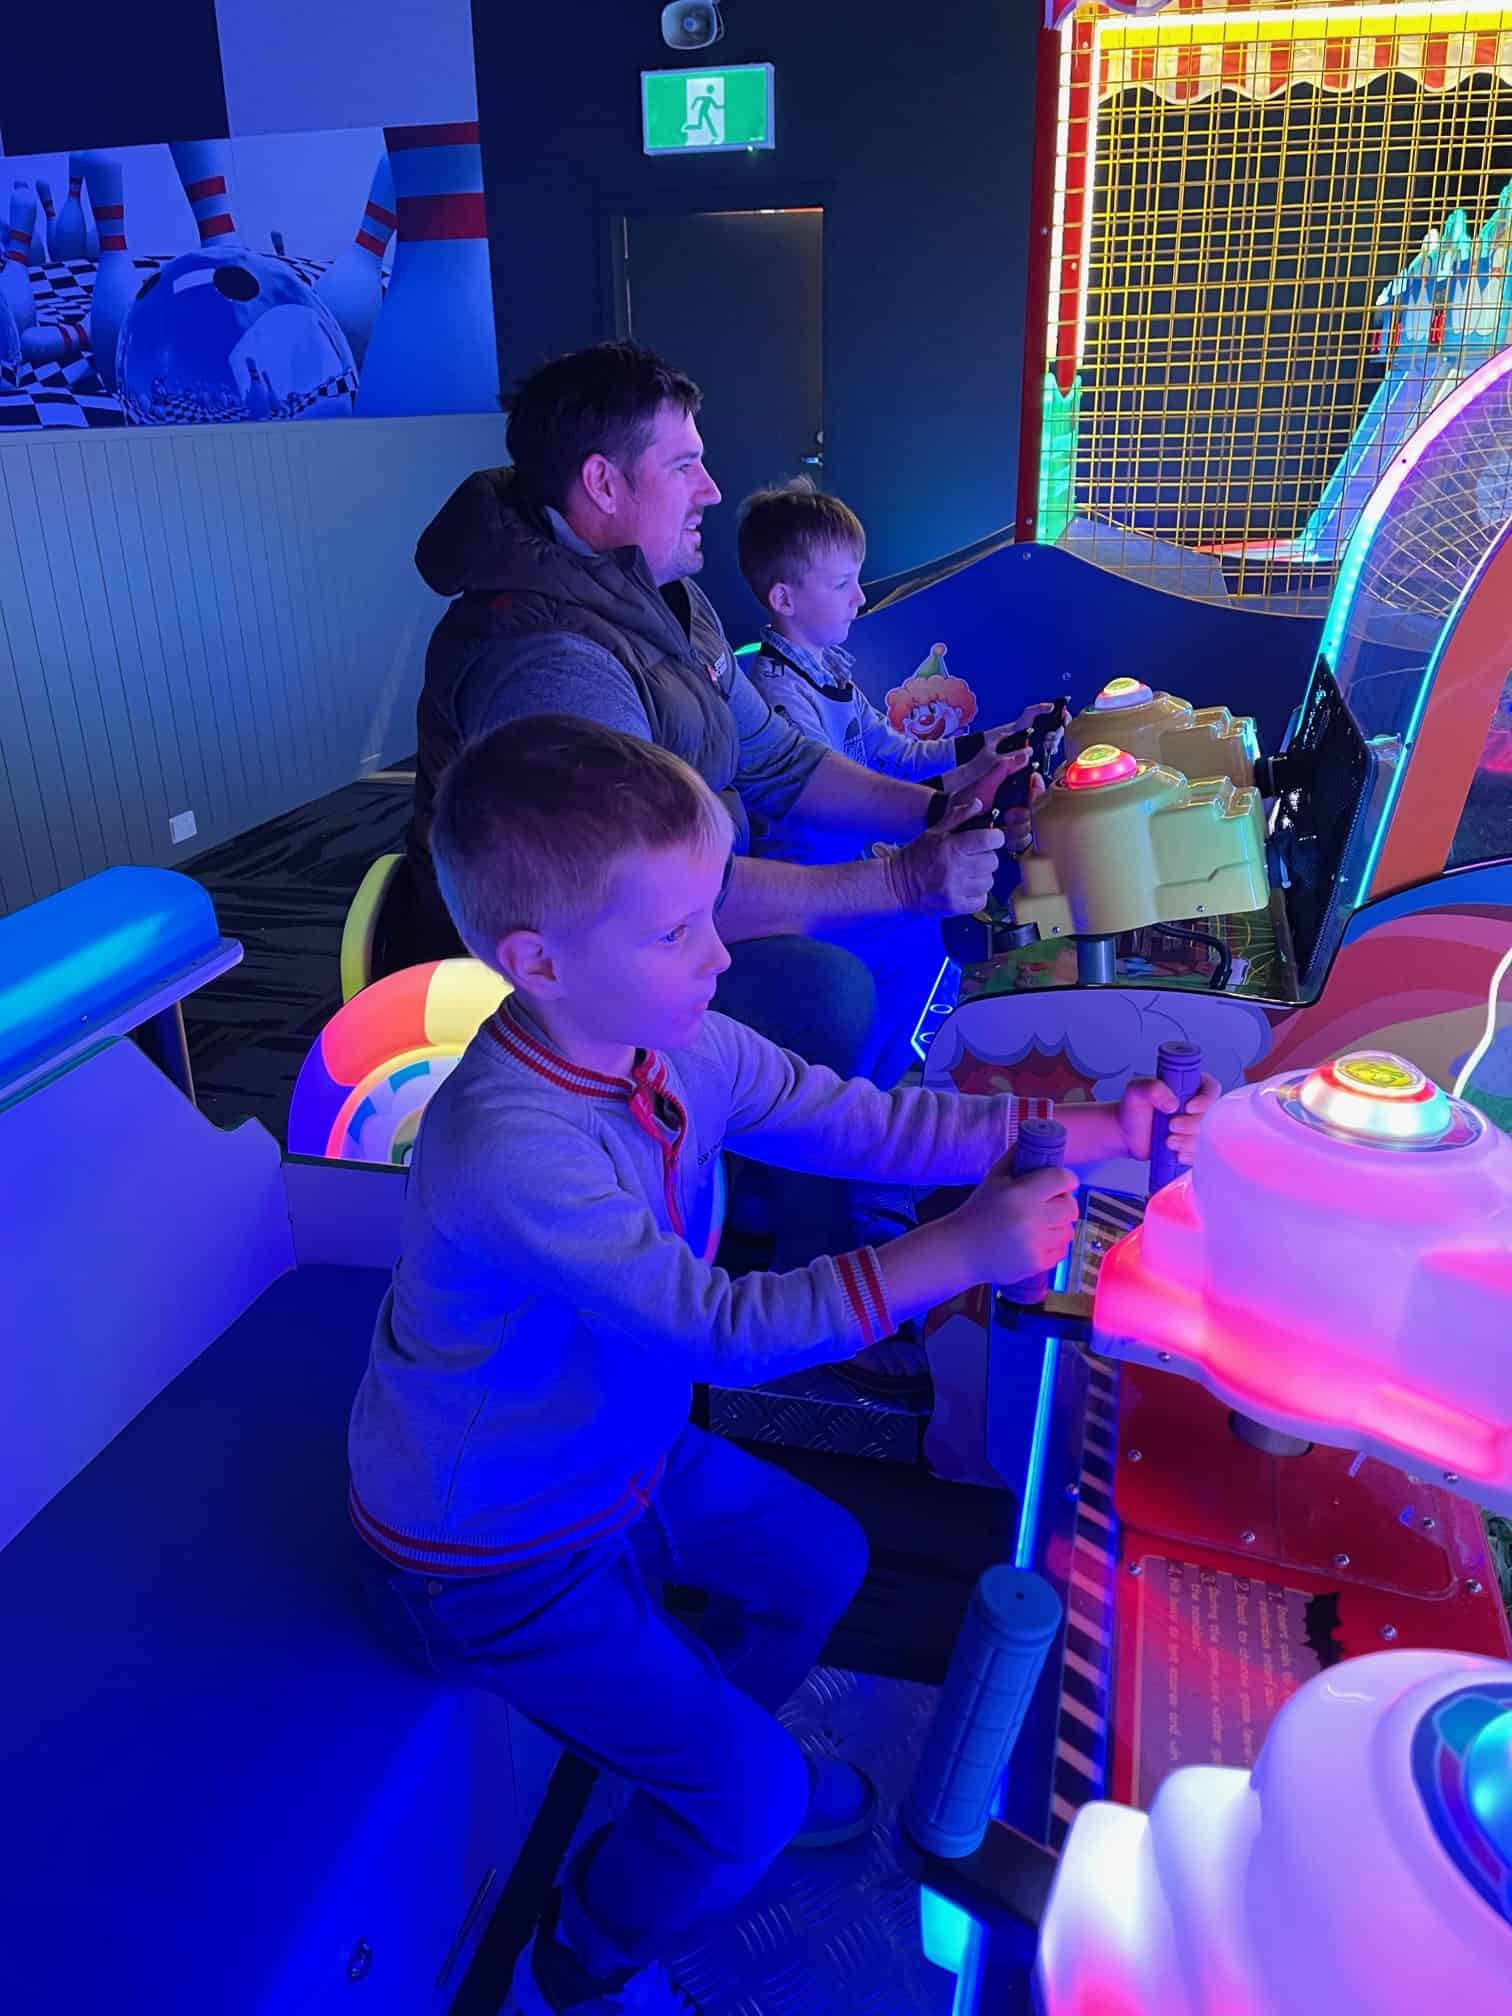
{"x":861,"y":1278}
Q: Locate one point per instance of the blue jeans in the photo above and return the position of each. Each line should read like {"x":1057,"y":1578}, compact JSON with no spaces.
{"x":580,"y":1646}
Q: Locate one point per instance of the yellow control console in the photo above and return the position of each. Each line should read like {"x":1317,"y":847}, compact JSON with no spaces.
{"x":1200,"y":742}
{"x":1120,"y":844}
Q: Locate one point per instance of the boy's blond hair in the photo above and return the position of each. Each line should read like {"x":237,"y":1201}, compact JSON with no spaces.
{"x":532,"y":818}
{"x":782,"y":532}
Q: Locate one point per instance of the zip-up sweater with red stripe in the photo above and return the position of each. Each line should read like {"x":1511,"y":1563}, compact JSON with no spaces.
{"x":533,"y":1360}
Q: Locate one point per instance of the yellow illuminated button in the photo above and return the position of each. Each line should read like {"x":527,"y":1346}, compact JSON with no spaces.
{"x":1100,"y":764}
{"x":1377,"y":1097}
{"x":1122,"y":693}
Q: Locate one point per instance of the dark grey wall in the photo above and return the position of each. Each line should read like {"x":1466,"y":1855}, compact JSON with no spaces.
{"x":910,"y":124}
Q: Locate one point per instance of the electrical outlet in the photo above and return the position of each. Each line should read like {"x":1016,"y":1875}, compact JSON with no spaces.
{"x":182,"y":827}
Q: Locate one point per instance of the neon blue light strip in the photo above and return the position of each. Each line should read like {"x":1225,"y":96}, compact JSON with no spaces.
{"x":918,"y":1047}
{"x":1034,"y":1469}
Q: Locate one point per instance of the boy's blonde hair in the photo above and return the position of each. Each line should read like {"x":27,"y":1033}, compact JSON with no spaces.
{"x":782,"y":532}
{"x":532,"y":818}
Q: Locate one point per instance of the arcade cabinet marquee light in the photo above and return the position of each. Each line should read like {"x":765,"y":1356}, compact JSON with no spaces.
{"x":1278,"y":235}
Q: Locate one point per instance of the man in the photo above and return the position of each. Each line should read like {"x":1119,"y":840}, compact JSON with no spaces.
{"x":571,"y":573}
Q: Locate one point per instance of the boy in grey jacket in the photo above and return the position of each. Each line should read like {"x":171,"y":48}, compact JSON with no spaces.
{"x":801,"y":552}
{"x":521,"y":1457}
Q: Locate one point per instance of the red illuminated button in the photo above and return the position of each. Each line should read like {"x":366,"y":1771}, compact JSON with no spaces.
{"x":1101,"y":764}
{"x":1121,"y":693}
{"x":1377,"y":1097}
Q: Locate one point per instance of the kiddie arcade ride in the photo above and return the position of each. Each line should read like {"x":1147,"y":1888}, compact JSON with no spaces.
{"x":1275,"y":1630}
{"x":215,"y":1775}
{"x":1371,"y":906}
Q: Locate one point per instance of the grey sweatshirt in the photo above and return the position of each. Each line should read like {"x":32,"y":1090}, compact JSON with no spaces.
{"x":534,"y":1357}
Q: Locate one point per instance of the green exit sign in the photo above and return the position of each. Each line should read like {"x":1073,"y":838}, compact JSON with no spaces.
{"x":702,"y":111}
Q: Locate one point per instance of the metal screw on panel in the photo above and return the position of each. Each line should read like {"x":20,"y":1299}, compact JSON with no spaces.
{"x":1164,"y":1357}
{"x":1388,"y":1632}
{"x":1451,"y":1476}
{"x":1073,"y":1491}
{"x":1474,"y":1585}
{"x":1429,"y":1524}
{"x":1341,"y":1560}
{"x":1136,"y":1567}
{"x":1248,"y":1536}
{"x":1136,"y":1455}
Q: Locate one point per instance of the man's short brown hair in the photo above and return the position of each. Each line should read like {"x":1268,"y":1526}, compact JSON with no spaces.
{"x":782,"y":532}
{"x":599,"y":401}
{"x":532,"y":818}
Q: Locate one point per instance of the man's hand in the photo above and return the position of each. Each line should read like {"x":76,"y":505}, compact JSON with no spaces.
{"x":947,"y":872}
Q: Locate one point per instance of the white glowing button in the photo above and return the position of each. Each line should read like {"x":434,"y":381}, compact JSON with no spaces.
{"x":1377,"y":1097}
{"x":1121,"y":693}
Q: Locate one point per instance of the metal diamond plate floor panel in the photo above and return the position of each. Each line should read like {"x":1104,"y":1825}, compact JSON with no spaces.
{"x":834,"y":1931}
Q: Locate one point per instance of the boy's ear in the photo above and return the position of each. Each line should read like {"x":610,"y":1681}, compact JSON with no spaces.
{"x":780,"y":599}
{"x":524,"y":960}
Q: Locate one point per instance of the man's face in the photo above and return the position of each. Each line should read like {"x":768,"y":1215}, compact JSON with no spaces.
{"x":821,"y":605}
{"x":642,"y":972}
{"x":668,"y":492}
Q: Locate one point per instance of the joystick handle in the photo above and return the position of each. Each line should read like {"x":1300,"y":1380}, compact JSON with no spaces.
{"x":1011,"y":1623}
{"x":1178,"y":1065}
{"x":1041,"y":1144}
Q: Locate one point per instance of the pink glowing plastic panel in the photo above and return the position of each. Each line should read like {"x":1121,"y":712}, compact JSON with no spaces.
{"x":1338,"y":1264}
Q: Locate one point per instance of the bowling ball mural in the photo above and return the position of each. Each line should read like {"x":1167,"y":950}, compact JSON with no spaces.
{"x":231,"y":336}
{"x":335,"y":273}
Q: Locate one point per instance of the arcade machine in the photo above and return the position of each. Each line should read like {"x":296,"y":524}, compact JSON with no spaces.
{"x":1276,"y":1633}
{"x":1371,"y":906}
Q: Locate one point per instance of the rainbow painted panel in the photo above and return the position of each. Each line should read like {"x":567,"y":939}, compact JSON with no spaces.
{"x":78,"y":959}
{"x":362,"y":1089}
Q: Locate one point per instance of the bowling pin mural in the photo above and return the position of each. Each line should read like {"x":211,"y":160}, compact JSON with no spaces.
{"x":15,"y":287}
{"x":70,"y":239}
{"x":116,"y":281}
{"x":352,"y":285}
{"x":432,"y":347}
{"x":44,"y":231}
{"x":55,"y":343}
{"x":259,"y":397}
{"x":10,"y":340}
{"x":36,"y":249}
{"x":226,"y":333}
{"x":201,"y":166}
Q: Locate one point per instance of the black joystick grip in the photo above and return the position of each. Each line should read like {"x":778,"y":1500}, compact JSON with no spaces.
{"x":1013,"y":792}
{"x":1041,"y":1144}
{"x":1178,"y":1065}
{"x":1046,"y":731}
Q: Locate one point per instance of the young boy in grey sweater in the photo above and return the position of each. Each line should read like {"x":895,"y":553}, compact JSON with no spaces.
{"x":801,"y":552}
{"x":521,"y":1456}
